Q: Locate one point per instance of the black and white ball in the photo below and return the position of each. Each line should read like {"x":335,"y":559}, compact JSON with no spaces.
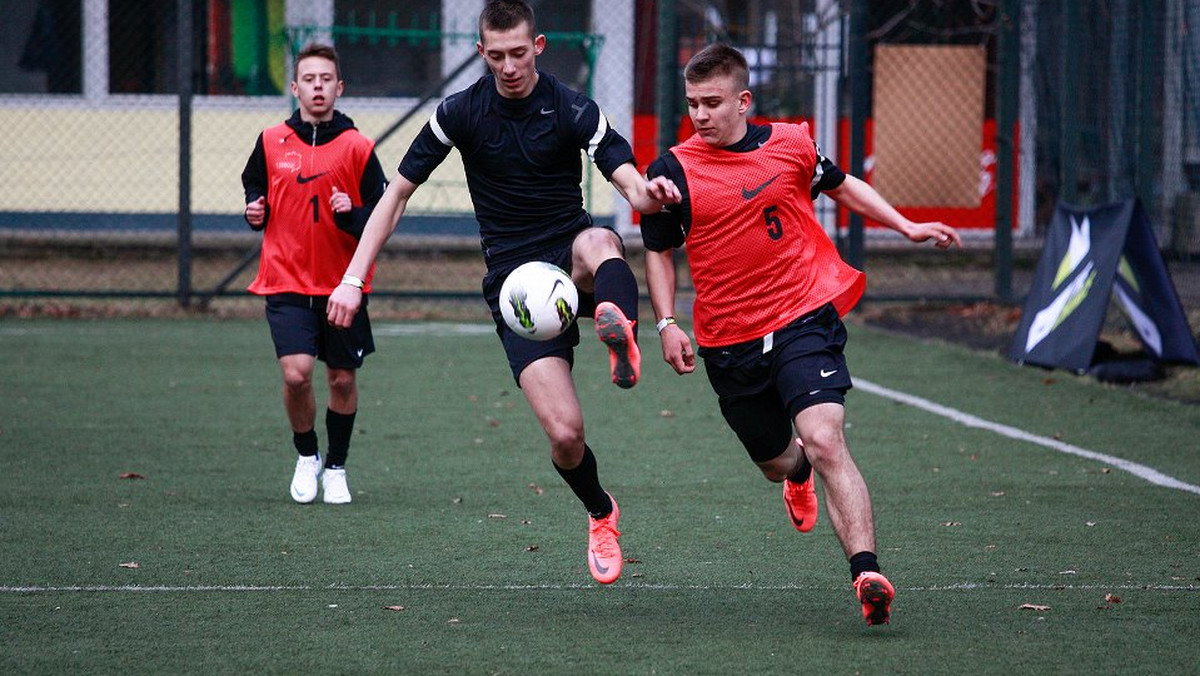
{"x":538,"y":300}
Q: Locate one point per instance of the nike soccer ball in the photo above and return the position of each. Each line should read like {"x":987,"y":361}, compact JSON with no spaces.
{"x":538,"y":301}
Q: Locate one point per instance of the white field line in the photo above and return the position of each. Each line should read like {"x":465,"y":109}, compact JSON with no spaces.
{"x":953,"y":587}
{"x":1141,"y":471}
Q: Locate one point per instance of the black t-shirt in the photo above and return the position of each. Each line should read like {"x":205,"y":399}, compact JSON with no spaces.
{"x":522,"y":160}
{"x":668,"y":229}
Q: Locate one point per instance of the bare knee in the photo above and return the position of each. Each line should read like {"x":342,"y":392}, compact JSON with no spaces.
{"x":594,"y":246}
{"x":297,"y":380}
{"x":825,"y":445}
{"x":341,"y":383}
{"x":566,"y":444}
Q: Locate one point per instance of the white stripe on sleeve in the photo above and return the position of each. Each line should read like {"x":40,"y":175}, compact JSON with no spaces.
{"x":437,"y":130}
{"x":601,"y":130}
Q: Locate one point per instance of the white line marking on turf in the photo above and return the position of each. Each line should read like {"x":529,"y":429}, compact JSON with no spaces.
{"x":1141,"y":471}
{"x":436,"y":329}
{"x":958,"y":586}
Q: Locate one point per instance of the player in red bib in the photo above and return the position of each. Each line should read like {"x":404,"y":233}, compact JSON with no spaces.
{"x":310,"y":185}
{"x":770,"y":292}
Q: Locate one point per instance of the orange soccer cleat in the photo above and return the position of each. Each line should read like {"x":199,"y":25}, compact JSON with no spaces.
{"x":876,"y":594}
{"x":604,"y":552}
{"x":801,"y":502}
{"x":616,"y":331}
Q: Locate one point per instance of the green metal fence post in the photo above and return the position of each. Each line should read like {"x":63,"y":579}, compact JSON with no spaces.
{"x":1068,"y":104}
{"x":1150,"y":63}
{"x":667,"y":75}
{"x":860,"y":110}
{"x":186,"y":67}
{"x":1008,"y":72}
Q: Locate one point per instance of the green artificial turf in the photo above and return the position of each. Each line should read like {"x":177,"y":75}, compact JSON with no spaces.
{"x":463,"y":550}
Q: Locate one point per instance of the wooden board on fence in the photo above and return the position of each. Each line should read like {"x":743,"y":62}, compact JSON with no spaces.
{"x":928,"y":124}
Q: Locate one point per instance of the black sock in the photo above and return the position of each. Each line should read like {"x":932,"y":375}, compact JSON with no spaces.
{"x":861,"y":563}
{"x":585,"y":482}
{"x":305,"y":443}
{"x":339,"y":427}
{"x":805,"y":470}
{"x":616,"y":284}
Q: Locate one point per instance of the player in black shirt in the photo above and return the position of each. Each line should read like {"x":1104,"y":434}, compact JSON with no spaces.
{"x":520,"y":133}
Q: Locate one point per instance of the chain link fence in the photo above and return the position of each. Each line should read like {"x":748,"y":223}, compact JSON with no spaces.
{"x":122,"y":178}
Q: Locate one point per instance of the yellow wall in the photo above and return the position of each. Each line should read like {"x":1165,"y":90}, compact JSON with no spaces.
{"x":57,"y":159}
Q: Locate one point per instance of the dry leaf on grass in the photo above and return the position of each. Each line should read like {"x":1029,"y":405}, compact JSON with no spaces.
{"x":132,"y":475}
{"x":1032,"y":606}
{"x":532,"y":548}
{"x":536,"y":488}
{"x":394,"y":608}
{"x":131,"y":564}
{"x":497,"y":516}
{"x":1112,"y":598}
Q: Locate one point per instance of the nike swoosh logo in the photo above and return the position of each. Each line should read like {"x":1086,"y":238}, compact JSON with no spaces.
{"x":750,"y":194}
{"x":826,"y":374}
{"x":360,"y":354}
{"x":596,"y":562}
{"x":547,"y":112}
{"x":302,"y":179}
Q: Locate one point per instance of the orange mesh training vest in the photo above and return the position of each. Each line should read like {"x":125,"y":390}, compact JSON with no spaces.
{"x":759,"y":258}
{"x":303,"y":251}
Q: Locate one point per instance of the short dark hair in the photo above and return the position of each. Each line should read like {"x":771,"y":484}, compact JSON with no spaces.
{"x":715,"y":60}
{"x":317,"y":49}
{"x":502,"y":15}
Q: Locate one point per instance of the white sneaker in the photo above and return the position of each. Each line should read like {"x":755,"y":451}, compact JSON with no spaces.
{"x":304,"y":479}
{"x":333,"y":481}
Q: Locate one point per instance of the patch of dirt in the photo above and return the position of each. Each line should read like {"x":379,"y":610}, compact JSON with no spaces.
{"x":990,"y":326}
{"x":985,"y":326}
{"x":443,"y":284}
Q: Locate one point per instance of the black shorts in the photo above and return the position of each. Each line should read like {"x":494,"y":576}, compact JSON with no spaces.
{"x":298,"y":326}
{"x":762,"y":384}
{"x":522,"y":351}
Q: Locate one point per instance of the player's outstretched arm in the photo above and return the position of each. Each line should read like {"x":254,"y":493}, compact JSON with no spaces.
{"x":660,"y":278}
{"x":346,"y":298}
{"x":858,"y":196}
{"x":645,"y":196}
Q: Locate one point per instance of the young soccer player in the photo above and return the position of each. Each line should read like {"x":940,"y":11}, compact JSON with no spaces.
{"x":310,"y":184}
{"x":770,"y":290}
{"x":521,"y":133}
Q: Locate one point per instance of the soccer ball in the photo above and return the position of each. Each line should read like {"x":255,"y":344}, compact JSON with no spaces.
{"x":538,"y":301}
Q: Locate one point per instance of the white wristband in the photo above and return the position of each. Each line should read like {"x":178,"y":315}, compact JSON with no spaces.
{"x":664,"y":323}
{"x":352,"y":281}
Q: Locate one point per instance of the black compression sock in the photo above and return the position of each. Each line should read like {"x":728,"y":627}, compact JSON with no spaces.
{"x":584,"y":480}
{"x":803,"y":472}
{"x":861,"y":563}
{"x":615,"y":283}
{"x":339,"y":427}
{"x":305,"y":443}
